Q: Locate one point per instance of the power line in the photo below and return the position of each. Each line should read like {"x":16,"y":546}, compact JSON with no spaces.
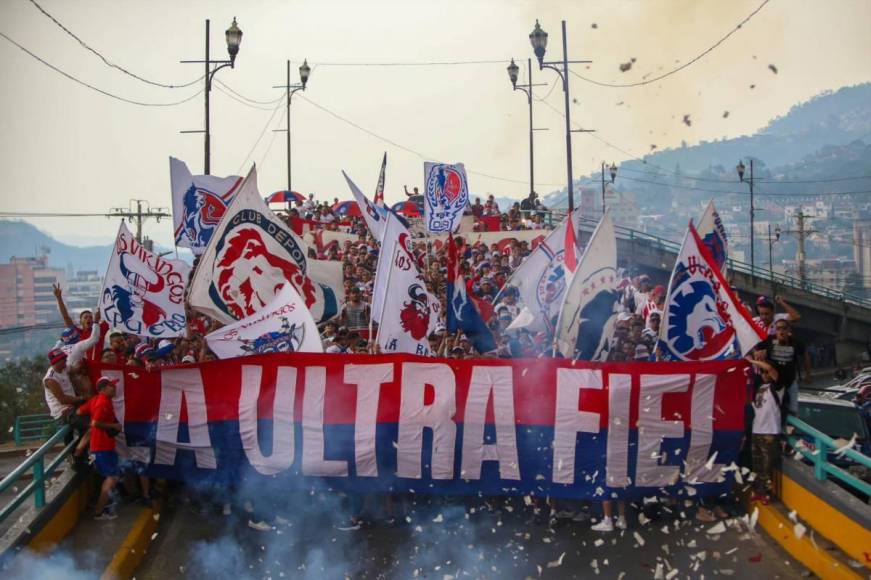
{"x":240,"y":101}
{"x":681,"y":67}
{"x":106,"y":61}
{"x":412,"y":63}
{"x":93,"y":88}
{"x":249,"y":99}
{"x":36,"y":214}
{"x":408,"y":149}
{"x":259,"y":137}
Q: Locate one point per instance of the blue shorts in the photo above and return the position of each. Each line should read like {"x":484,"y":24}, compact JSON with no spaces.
{"x":106,"y":463}
{"x":134,"y":467}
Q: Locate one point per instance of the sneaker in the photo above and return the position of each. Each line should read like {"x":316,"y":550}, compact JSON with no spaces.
{"x":226,"y":509}
{"x":106,"y":515}
{"x":259,"y":526}
{"x":621,"y":523}
{"x":606,"y":525}
{"x":581,"y":516}
{"x":280,"y":521}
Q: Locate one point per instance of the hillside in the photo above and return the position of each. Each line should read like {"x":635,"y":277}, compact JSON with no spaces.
{"x":22,"y":239}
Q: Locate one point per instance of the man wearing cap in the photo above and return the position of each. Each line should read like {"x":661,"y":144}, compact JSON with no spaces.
{"x":60,"y":395}
{"x":766,"y":317}
{"x":104,"y":427}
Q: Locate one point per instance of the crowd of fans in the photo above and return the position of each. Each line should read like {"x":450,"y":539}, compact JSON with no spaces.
{"x":780,"y":360}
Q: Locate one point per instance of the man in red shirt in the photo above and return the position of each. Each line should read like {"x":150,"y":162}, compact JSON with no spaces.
{"x":104,"y":428}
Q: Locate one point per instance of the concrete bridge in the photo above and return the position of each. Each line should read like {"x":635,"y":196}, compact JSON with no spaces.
{"x":828,"y":317}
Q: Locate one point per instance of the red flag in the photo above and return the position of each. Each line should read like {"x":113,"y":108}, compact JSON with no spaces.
{"x":570,"y":258}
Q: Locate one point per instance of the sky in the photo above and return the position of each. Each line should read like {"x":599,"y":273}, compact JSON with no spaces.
{"x":68,"y":148}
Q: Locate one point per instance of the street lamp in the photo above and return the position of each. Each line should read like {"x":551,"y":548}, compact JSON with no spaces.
{"x":771,"y":241}
{"x":740,"y":168}
{"x":304,"y":72}
{"x":538,"y":40}
{"x":613,"y":170}
{"x":513,"y":69}
{"x":233,"y":36}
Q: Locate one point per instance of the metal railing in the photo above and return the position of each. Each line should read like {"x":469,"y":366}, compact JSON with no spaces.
{"x":33,"y":428}
{"x":622,"y":232}
{"x":819,"y":455}
{"x":41,"y":473}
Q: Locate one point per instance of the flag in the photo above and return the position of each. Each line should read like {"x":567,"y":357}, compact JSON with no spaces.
{"x":541,"y":280}
{"x":251,"y":255}
{"x":571,"y":249}
{"x":413,"y":313}
{"x":198,"y":204}
{"x":703,"y":319}
{"x":379,"y":189}
{"x":283,"y":325}
{"x":446,"y":196}
{"x":143,"y":294}
{"x":463,"y":312}
{"x":375,"y":217}
{"x":394,"y":234}
{"x":713,"y":234}
{"x":589,"y":306}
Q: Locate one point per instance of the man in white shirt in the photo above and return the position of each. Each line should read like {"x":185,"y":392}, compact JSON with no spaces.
{"x":765,"y":440}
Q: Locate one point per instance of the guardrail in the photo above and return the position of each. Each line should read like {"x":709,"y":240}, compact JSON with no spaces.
{"x":819,"y":456}
{"x":32,"y":428}
{"x":625,"y":233}
{"x":41,"y":473}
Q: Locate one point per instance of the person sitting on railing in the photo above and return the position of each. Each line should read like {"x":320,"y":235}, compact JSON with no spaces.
{"x":765,"y":316}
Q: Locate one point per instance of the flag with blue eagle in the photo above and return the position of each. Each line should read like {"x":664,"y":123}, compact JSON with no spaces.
{"x":703,"y":319}
{"x":463,"y":313}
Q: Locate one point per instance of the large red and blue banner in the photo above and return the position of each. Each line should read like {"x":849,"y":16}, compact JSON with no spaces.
{"x":402,"y":423}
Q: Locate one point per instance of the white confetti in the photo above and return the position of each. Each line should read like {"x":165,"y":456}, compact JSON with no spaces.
{"x":718,"y":528}
{"x":638,"y":538}
{"x":154,"y":535}
{"x":799,"y":530}
{"x":710,"y":464}
{"x":643,"y":519}
{"x":599,"y":542}
{"x":557,"y":562}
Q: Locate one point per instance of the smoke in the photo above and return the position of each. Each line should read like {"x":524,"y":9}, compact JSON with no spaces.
{"x":58,"y":565}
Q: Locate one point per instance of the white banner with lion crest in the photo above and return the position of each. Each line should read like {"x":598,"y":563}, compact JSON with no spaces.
{"x":284,"y":325}
{"x":251,"y":254}
{"x":143,"y":294}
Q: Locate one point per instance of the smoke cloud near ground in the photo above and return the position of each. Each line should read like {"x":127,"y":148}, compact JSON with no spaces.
{"x":59,"y":565}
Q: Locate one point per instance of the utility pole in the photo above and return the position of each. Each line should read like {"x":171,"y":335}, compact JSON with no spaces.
{"x":802,"y":233}
{"x":290,"y":89}
{"x":139,"y":214}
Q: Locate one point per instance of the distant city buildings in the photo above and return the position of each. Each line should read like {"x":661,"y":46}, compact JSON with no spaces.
{"x":623,"y":205}
{"x":862,"y":250}
{"x":26,"y":294}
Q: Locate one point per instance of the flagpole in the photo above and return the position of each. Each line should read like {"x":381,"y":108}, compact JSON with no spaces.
{"x":387,"y":288}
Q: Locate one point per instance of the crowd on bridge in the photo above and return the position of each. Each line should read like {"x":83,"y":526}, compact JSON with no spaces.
{"x":779,"y":362}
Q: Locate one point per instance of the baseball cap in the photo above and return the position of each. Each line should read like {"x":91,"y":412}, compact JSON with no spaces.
{"x":165,"y":346}
{"x":763,"y":301}
{"x":56,"y":355}
{"x":104,"y":380}
{"x":142,"y":350}
{"x":70,"y":335}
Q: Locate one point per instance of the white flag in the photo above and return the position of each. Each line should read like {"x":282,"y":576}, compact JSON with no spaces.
{"x":413,"y":312}
{"x":284,"y":325}
{"x":375,"y":219}
{"x":713,"y":234}
{"x":589,"y":309}
{"x":198,"y":204}
{"x":143,"y":294}
{"x":703,"y":319}
{"x":394,"y":234}
{"x":251,"y":255}
{"x":446,"y":196}
{"x":541,"y":280}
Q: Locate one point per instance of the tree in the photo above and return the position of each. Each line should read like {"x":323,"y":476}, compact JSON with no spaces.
{"x":21,"y":391}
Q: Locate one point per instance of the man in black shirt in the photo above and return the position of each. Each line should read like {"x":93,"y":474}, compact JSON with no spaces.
{"x":789,"y":357}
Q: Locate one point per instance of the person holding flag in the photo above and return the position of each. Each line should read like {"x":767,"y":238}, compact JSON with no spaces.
{"x":463,"y":312}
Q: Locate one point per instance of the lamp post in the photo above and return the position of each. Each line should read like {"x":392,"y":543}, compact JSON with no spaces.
{"x":740,"y":168}
{"x":613,"y":170}
{"x":304,"y":72}
{"x":771,"y":241}
{"x":233,"y":36}
{"x":538,"y":39}
{"x":513,"y":69}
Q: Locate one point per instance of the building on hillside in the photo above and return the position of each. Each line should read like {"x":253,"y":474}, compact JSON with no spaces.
{"x":26,"y":293}
{"x":862,"y":250}
{"x":82,"y":292}
{"x":829,"y":272}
